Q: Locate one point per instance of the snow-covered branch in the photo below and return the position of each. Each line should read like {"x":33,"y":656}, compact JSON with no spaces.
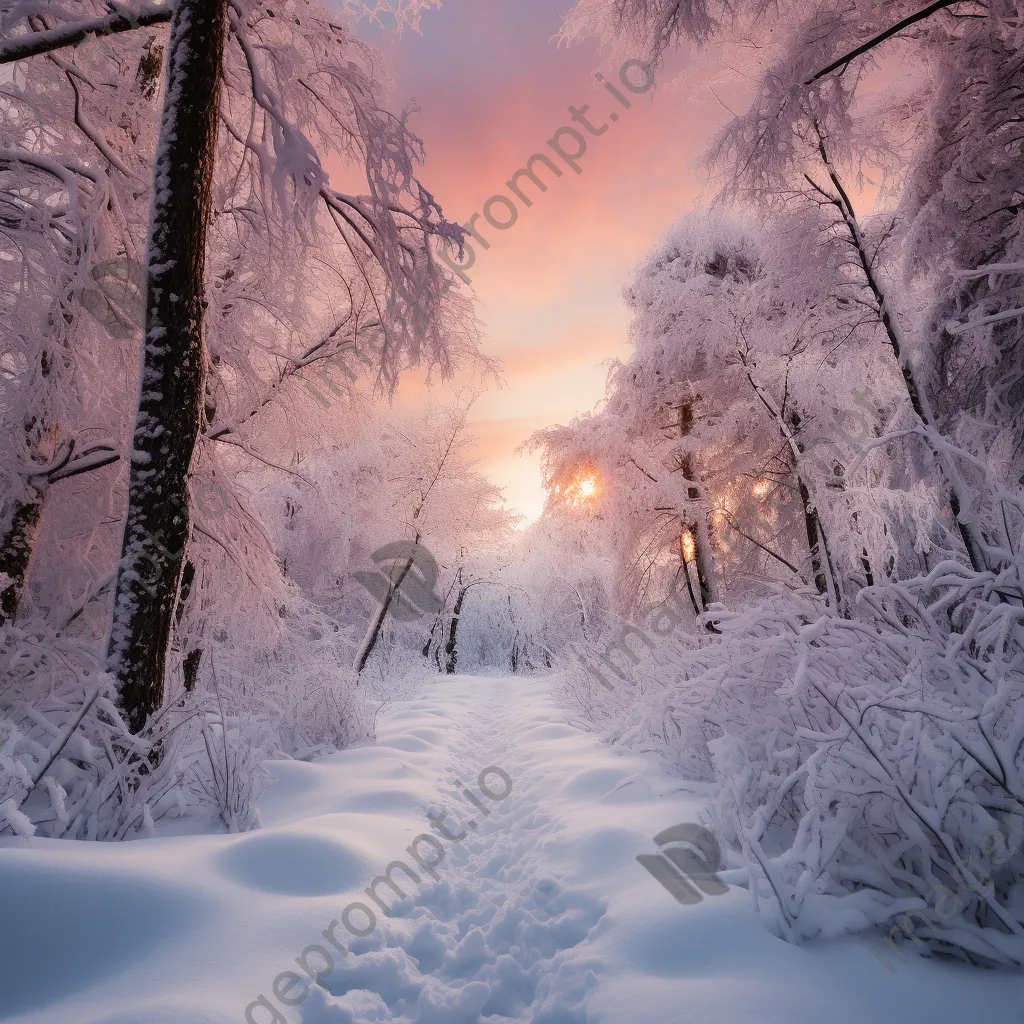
{"x":121,"y":17}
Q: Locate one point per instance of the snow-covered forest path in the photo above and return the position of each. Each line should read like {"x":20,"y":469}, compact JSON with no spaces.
{"x":539,"y":912}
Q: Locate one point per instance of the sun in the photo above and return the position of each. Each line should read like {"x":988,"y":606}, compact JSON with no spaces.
{"x":688,"y":545}
{"x":581,"y":492}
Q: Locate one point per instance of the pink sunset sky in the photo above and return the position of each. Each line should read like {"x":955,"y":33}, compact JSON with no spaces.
{"x":493,"y":87}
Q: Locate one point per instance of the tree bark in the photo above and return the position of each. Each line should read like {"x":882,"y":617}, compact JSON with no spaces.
{"x":450,"y":647}
{"x":703,"y":558}
{"x":15,"y":554}
{"x":702,"y":562}
{"x":815,"y":536}
{"x":826,"y":581}
{"x":373,"y":634}
{"x":684,"y":562}
{"x":958,"y":497}
{"x":190,"y":663}
{"x":171,"y":386}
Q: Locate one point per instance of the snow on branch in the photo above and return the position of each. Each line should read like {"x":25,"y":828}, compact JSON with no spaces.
{"x":397,"y":14}
{"x":316,"y":91}
{"x":843,"y":62}
{"x":31,"y":43}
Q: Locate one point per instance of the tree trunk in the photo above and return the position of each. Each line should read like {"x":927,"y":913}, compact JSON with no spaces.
{"x":449,"y":647}
{"x":190,"y":663}
{"x":826,"y":579}
{"x":703,"y":559}
{"x":702,"y":562}
{"x":815,"y":536}
{"x":958,"y":495}
{"x":15,"y":554}
{"x":684,"y":562}
{"x":373,"y":634}
{"x":19,"y":542}
{"x":171,"y":388}
{"x":20,"y":539}
{"x":190,"y":668}
{"x":822,"y":567}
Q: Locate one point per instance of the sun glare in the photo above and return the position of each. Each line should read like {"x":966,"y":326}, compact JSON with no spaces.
{"x":688,"y":546}
{"x":582,"y":491}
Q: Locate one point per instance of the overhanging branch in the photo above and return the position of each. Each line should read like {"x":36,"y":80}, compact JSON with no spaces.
{"x":912,"y":19}
{"x":124,"y":19}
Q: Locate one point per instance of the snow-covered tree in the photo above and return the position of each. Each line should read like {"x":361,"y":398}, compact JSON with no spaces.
{"x":861,"y":750}
{"x":306,"y":300}
{"x":301,"y":97}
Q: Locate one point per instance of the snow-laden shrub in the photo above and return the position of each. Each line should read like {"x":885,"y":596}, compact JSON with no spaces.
{"x":69,"y":768}
{"x":869,"y":769}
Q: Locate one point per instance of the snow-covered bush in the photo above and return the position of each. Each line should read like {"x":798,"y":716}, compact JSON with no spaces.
{"x":862,"y":713}
{"x":863,"y":764}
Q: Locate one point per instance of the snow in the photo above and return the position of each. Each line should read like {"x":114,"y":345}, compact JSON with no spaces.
{"x":540,"y":913}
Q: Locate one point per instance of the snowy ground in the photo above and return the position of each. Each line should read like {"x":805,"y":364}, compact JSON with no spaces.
{"x":540,"y":913}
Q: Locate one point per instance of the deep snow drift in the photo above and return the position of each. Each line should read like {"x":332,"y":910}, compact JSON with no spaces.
{"x":539,"y":911}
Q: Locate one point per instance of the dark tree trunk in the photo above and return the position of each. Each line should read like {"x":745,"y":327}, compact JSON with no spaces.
{"x":970,"y":533}
{"x":15,"y":554}
{"x":373,"y":635}
{"x":191,"y":668}
{"x":702,"y":563}
{"x":823,"y":568}
{"x":18,"y":543}
{"x":190,"y":664}
{"x":683,"y":530}
{"x":20,"y":539}
{"x":449,"y":647}
{"x":171,"y":389}
{"x":815,"y":536}
{"x":703,"y":559}
{"x":865,"y":561}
